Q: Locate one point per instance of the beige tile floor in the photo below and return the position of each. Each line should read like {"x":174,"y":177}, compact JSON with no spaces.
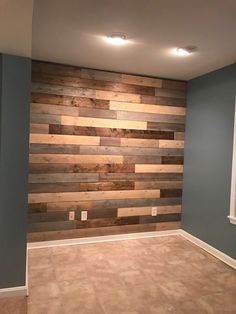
{"x":144,"y":276}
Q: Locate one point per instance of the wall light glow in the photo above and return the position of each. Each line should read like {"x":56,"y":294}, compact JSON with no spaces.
{"x":117,"y":39}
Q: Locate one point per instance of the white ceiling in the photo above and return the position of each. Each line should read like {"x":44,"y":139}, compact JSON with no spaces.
{"x":16,"y":27}
{"x":72,"y":31}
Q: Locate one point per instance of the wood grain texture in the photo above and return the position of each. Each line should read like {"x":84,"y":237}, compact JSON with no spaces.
{"x":64,"y":139}
{"x":39,"y":128}
{"x":84,"y":196}
{"x":144,"y":211}
{"x":108,"y":143}
{"x":145,"y":108}
{"x":64,"y":158}
{"x":158,"y":168}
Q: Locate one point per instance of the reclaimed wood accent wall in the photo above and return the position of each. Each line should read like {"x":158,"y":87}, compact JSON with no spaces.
{"x":107,"y":143}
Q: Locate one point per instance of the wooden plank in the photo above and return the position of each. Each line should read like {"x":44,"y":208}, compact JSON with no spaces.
{"x":64,"y":158}
{"x":54,"y":149}
{"x":130,"y":151}
{"x":86,"y":196}
{"x":149,"y":117}
{"x":39,"y":128}
{"x":62,"y":90}
{"x":142,"y":159}
{"x":53,"y":187}
{"x":141,"y":80}
{"x":92,"y":83}
{"x":81,"y":168}
{"x":158,"y":168}
{"x":117,"y":96}
{"x":171,"y":144}
{"x":143,"y":211}
{"x":140,"y":185}
{"x":102,"y":213}
{"x":104,"y":123}
{"x":54,"y":109}
{"x":170,"y":93}
{"x":106,"y":132}
{"x":45,"y":118}
{"x":175,"y":160}
{"x":171,"y":225}
{"x":63,"y":100}
{"x":98,"y":113}
{"x":101,"y":204}
{"x":55,"y":68}
{"x":110,"y":141}
{"x":107,"y":186}
{"x":47,"y":217}
{"x":105,"y":222}
{"x":177,"y":85}
{"x":170,"y":127}
{"x":163,"y":176}
{"x":91,"y":232}
{"x":131,"y":142}
{"x":160,"y":218}
{"x":179,"y":136}
{"x":63,"y":177}
{"x":51,"y":226}
{"x":171,"y":193}
{"x":146,"y":108}
{"x":100,"y":75}
{"x":64,"y":139}
{"x":165,"y":101}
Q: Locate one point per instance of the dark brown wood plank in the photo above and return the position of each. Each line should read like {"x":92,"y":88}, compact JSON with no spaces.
{"x":171,"y":192}
{"x":107,"y":186}
{"x":159,"y":100}
{"x":170,"y":127}
{"x":176,"y":160}
{"x":105,"y":132}
{"x":75,"y":168}
{"x":69,"y":101}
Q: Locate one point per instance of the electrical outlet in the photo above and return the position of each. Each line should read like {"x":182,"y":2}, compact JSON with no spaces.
{"x":154,"y":211}
{"x":84,"y":215}
{"x":71,"y":215}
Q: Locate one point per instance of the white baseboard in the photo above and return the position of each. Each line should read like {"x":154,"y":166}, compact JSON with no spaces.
{"x":210,"y":249}
{"x":13,"y":292}
{"x":105,"y":238}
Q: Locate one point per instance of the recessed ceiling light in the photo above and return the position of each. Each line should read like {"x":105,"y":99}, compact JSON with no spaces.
{"x":185,"y":51}
{"x":117,"y":39}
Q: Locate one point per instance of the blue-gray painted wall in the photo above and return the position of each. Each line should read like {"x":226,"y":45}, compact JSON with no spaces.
{"x":15,"y":80}
{"x":208,"y":159}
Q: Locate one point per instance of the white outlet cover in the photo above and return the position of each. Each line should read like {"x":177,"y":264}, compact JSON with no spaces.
{"x":154,"y":211}
{"x":71,"y":215}
{"x":84,"y":215}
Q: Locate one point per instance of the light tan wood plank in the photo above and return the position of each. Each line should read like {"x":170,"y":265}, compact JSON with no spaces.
{"x":170,"y":225}
{"x":142,"y":185}
{"x":86,"y":196}
{"x":171,"y":144}
{"x":107,"y":95}
{"x":179,"y":136}
{"x":146,"y":108}
{"x":39,"y":128}
{"x":64,"y":158}
{"x":145,"y":168}
{"x":104,"y":123}
{"x":64,"y":139}
{"x":143,"y":211}
{"x":54,"y":109}
{"x":141,"y":80}
{"x":132,"y":142}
